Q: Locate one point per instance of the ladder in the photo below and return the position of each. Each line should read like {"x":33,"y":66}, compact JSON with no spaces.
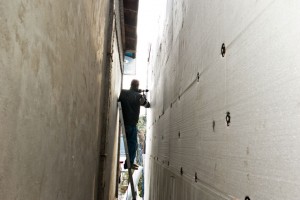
{"x":121,"y":121}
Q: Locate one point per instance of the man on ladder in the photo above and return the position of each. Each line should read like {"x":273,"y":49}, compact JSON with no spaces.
{"x":131,"y":100}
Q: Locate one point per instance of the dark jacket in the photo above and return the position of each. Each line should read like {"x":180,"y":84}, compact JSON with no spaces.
{"x":131,"y":102}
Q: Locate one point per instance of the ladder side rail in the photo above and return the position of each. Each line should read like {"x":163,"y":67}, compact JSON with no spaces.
{"x":126,"y":151}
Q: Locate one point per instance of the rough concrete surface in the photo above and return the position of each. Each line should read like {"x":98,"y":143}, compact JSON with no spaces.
{"x":51,"y":67}
{"x":112,"y":147}
{"x":110,"y":152}
{"x":193,"y":152}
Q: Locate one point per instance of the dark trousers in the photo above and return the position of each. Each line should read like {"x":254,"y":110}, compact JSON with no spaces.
{"x":131,"y":136}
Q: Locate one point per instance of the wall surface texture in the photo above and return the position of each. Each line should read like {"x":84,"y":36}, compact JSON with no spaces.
{"x":191,"y":151}
{"x":109,"y":170}
{"x":52,"y":70}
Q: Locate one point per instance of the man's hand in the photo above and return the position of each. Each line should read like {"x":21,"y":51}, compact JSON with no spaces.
{"x":144,"y":102}
{"x":147,"y":105}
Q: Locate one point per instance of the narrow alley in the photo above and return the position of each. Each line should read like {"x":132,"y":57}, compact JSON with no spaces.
{"x":223,"y":80}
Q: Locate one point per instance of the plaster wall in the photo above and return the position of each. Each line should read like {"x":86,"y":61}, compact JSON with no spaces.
{"x":51,"y":84}
{"x":110,"y":175}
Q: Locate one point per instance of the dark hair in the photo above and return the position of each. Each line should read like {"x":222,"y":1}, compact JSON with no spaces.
{"x":134,"y":84}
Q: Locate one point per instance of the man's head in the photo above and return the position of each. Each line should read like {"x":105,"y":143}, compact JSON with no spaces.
{"x":134,"y":84}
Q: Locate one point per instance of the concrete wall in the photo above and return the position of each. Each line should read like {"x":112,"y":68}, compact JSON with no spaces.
{"x":257,"y":81}
{"x":110,"y":158}
{"x":52,"y":56}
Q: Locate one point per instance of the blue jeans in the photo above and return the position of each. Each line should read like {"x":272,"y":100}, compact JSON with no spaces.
{"x":131,"y":136}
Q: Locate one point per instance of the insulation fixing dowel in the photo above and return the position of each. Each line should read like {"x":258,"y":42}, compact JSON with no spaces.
{"x":213,"y":125}
{"x":247,"y":198}
{"x":181,"y":171}
{"x":198,"y":76}
{"x":179,"y":134}
{"x":223,"y":50}
{"x":228,"y":118}
{"x":196,"y":178}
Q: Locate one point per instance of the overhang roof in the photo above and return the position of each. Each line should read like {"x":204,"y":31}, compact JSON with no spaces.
{"x":130,"y":24}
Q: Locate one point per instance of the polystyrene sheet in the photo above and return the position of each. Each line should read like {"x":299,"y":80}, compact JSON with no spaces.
{"x":256,"y":82}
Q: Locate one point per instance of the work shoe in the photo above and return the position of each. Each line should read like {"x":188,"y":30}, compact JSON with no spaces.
{"x":125,"y":165}
{"x":133,"y":166}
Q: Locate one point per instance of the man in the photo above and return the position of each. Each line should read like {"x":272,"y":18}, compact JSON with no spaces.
{"x":131,"y":100}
